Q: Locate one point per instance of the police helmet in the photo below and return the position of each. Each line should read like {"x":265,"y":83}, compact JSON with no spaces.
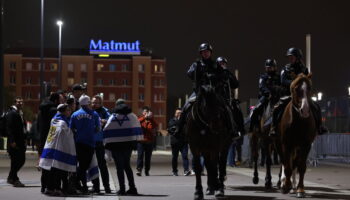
{"x":221,"y":59}
{"x":205,"y":46}
{"x":270,"y":63}
{"x":294,"y":52}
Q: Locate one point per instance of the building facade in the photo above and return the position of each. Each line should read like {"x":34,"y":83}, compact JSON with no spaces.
{"x":139,"y":79}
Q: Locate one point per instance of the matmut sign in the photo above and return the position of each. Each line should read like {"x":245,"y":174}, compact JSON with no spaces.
{"x":116,"y":48}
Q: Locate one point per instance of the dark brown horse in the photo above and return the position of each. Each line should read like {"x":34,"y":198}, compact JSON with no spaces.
{"x":208,"y":135}
{"x":260,"y":138}
{"x":297,"y":131}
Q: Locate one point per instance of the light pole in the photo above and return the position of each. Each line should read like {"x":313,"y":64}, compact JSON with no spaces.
{"x":42,"y":52}
{"x":59,"y":24}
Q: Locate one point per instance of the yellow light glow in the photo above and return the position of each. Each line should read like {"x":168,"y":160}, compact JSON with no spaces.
{"x":103,"y":55}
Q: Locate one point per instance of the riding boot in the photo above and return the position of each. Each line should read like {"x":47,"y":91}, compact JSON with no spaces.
{"x":316,"y":111}
{"x":277,"y":114}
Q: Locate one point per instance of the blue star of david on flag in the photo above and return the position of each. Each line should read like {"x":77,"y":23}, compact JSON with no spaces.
{"x":121,"y":120}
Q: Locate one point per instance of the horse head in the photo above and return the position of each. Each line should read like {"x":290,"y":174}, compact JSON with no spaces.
{"x":300,"y":90}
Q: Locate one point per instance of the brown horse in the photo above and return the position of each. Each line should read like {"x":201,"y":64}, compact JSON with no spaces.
{"x":297,"y":131}
{"x":207,"y":133}
{"x":260,"y":137}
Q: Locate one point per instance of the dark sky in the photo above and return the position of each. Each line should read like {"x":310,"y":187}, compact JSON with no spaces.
{"x":246,"y":32}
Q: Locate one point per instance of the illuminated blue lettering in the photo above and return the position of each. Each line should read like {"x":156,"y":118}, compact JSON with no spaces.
{"x":105,"y":46}
{"x":112,"y":47}
{"x":93,"y":45}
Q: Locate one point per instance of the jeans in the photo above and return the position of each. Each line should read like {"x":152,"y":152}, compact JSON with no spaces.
{"x":18,"y":158}
{"x":122,"y":162}
{"x":100,"y":155}
{"x":175,"y":149}
{"x":144,"y":151}
{"x":231,"y":155}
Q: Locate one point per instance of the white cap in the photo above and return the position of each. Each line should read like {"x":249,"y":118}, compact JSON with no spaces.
{"x":84,"y":100}
{"x":60,"y":106}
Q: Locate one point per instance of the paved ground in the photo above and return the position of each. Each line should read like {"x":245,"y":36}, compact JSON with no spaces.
{"x":322,"y":182}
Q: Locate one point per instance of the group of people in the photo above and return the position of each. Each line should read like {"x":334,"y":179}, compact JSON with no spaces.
{"x":75,"y":131}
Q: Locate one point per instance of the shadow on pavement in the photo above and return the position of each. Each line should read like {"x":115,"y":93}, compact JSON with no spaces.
{"x":235,"y":197}
{"x":252,"y":188}
{"x":151,"y":195}
{"x":329,"y":196}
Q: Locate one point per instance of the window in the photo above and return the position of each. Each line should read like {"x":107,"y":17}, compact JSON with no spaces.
{"x":161,"y":83}
{"x":155,"y":83}
{"x":124,"y":96}
{"x":12,"y":80}
{"x":53,"y":67}
{"x":29,"y":66}
{"x":125,"y":68}
{"x":141,"y":82}
{"x":99,"y":81}
{"x":111,"y":96}
{"x":70,"y":67}
{"x":112,"y":67}
{"x":125,"y":82}
{"x":155,"y":98}
{"x":83,"y":80}
{"x":28,"y":95}
{"x":99,"y":67}
{"x":13,"y":65}
{"x":29,"y":80}
{"x":83,"y":67}
{"x":70,"y":81}
{"x":155,"y":68}
{"x":160,"y":111}
{"x":141,"y":68}
{"x":112,"y":82}
{"x":160,"y":97}
{"x":53,"y":81}
{"x":160,"y":126}
{"x":161,"y":68}
{"x":141,"y":97}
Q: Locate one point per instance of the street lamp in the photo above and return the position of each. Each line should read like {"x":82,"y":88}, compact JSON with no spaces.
{"x":349,"y":90}
{"x":319,"y":96}
{"x":59,"y":24}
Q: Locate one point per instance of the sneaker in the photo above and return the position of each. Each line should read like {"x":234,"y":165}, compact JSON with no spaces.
{"x":121,"y":193}
{"x":132,"y":191}
{"x":187,"y":173}
{"x":147,"y":173}
{"x":95,"y":191}
{"x":193,"y":173}
{"x":18,"y":184}
{"x":138,"y":173}
{"x":49,"y":192}
{"x":108,"y":190}
{"x":175,"y":174}
{"x":10,"y":181}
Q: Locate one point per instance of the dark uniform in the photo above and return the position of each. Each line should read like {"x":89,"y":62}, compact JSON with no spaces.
{"x":269,"y":90}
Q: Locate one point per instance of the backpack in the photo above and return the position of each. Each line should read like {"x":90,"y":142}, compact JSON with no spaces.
{"x":3,"y":132}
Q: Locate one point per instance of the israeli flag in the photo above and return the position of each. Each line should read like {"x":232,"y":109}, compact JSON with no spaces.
{"x":59,"y":150}
{"x":122,"y":128}
{"x":92,"y":173}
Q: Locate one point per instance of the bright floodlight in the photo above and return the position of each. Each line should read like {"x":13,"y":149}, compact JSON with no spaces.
{"x":319,"y":96}
{"x":314,"y":98}
{"x":59,"y":23}
{"x":349,"y":90}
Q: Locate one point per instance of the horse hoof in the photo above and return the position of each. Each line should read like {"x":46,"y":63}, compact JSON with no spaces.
{"x":210,"y":192}
{"x":220,"y":193}
{"x":198,"y":195}
{"x":285,"y":190}
{"x":268,"y":185}
{"x":278,"y":185}
{"x":300,"y":194}
{"x":255,"y":180}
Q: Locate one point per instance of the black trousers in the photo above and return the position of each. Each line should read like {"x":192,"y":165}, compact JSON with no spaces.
{"x":175,"y":149}
{"x":102,"y":165}
{"x":84,"y":157}
{"x":18,"y":158}
{"x":122,"y":162}
{"x":57,"y":179}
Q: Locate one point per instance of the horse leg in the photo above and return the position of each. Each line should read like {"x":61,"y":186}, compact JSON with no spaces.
{"x":267,"y":152}
{"x":279,"y":178}
{"x":302,"y":169}
{"x":198,"y":195}
{"x":222,"y":171}
{"x":211,"y":171}
{"x":255,"y":155}
{"x":286,"y":183}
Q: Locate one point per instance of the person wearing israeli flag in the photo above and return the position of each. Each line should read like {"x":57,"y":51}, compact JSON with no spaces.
{"x":120,"y":134}
{"x":59,"y":155}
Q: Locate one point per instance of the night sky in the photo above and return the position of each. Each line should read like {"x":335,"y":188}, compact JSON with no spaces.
{"x":246,"y":32}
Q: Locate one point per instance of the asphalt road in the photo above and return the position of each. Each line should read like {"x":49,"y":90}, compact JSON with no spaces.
{"x":321,"y":182}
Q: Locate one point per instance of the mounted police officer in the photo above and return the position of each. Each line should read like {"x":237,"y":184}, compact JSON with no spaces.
{"x":226,"y":88}
{"x":288,"y":74}
{"x":269,"y":90}
{"x":202,"y":72}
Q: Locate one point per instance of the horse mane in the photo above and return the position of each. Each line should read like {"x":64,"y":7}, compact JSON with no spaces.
{"x":296,"y":82}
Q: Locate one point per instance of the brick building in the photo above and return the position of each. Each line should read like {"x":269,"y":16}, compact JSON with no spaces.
{"x":140,"y":79}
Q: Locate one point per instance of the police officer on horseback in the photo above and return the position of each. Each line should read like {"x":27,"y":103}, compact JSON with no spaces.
{"x":288,"y":74}
{"x":202,"y":72}
{"x":269,"y":90}
{"x":226,"y":88}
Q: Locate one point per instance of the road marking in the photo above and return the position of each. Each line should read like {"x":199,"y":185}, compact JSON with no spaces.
{"x":249,"y":172}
